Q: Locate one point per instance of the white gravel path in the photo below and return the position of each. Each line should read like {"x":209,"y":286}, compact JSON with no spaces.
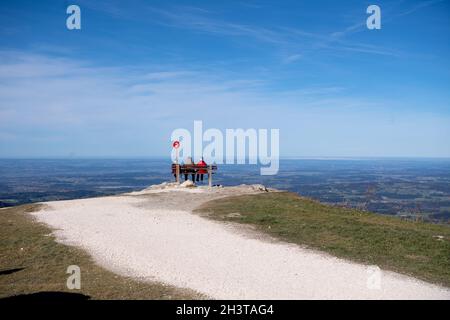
{"x":145,"y":236}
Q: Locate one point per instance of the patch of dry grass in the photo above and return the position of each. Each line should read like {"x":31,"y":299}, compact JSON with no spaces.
{"x":31,"y":261}
{"x":418,"y":249}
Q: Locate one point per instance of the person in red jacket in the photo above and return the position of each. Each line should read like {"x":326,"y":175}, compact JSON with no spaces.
{"x":201,"y":172}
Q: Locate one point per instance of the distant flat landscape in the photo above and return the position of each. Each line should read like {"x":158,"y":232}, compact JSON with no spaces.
{"x":410,"y":188}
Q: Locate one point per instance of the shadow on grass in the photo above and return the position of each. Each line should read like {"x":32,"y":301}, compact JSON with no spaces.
{"x":10,"y":271}
{"x":48,"y":296}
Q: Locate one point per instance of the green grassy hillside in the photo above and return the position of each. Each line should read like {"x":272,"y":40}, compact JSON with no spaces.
{"x":418,"y":249}
{"x":33,"y":263}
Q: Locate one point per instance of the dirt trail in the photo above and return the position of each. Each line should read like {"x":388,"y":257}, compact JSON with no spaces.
{"x":152,"y":235}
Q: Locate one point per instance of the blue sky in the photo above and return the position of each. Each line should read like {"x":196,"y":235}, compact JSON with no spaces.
{"x":137,"y":70}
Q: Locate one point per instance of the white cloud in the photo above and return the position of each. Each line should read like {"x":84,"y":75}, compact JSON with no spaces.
{"x":54,"y":106}
{"x":293,"y":58}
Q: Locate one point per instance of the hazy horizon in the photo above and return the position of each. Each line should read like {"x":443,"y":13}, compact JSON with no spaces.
{"x":167,"y":157}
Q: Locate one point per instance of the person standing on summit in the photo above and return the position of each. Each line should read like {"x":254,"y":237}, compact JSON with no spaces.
{"x":202,"y":171}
